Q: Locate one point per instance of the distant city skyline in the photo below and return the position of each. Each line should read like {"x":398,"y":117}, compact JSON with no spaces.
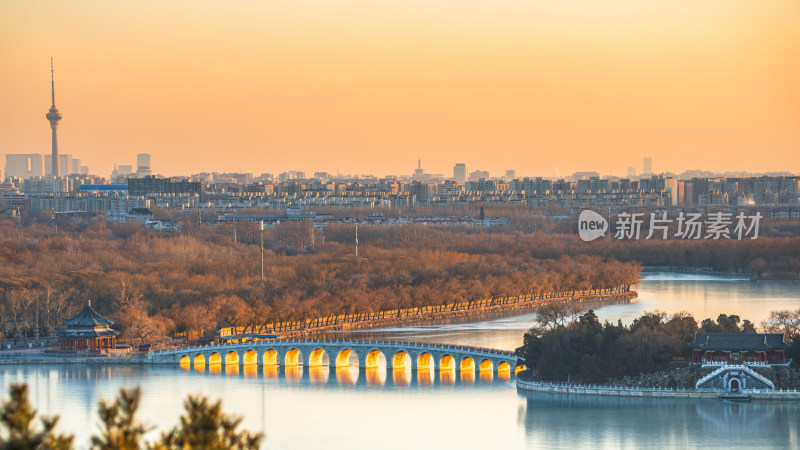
{"x":284,"y":87}
{"x":23,"y":165}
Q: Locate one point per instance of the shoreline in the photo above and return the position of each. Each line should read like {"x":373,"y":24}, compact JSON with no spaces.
{"x":441,"y":315}
{"x":40,"y":358}
{"x":597,"y":390}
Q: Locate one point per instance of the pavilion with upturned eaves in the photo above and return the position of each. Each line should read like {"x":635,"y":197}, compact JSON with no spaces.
{"x":88,"y":330}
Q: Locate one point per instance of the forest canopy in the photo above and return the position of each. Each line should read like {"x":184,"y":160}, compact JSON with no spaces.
{"x":155,"y":284}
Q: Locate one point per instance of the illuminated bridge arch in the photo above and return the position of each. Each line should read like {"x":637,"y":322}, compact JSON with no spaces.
{"x":250,"y":357}
{"x":270,"y":358}
{"x":365,"y":354}
{"x":345,"y":357}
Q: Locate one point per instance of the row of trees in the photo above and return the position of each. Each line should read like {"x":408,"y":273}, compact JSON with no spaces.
{"x":154,"y":284}
{"x":566,"y":345}
{"x":203,"y":426}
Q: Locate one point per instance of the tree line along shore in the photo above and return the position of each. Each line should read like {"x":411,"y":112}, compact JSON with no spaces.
{"x":566,"y":345}
{"x":439,"y":312}
{"x":155,"y":285}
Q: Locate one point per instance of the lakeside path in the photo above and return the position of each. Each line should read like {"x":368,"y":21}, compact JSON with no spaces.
{"x":599,"y":299}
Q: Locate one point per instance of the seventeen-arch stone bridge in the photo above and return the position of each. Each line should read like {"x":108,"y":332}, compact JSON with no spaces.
{"x":417,"y":355}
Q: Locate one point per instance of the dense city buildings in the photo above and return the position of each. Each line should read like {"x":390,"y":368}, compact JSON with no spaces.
{"x":243,"y":190}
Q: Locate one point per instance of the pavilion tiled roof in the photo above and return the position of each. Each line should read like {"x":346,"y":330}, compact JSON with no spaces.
{"x":88,"y":317}
{"x":737,"y":341}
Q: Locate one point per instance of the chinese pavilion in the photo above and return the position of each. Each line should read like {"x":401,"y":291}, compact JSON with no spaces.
{"x":739,"y":348}
{"x":88,"y":331}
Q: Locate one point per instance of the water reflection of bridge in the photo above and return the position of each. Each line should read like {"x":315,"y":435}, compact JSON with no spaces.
{"x":342,"y":354}
{"x":350,"y":375}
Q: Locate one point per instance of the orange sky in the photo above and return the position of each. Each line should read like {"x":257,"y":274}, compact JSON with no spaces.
{"x":367,"y":86}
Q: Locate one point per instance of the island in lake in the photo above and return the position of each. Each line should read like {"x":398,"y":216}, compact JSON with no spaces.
{"x":662,"y":356}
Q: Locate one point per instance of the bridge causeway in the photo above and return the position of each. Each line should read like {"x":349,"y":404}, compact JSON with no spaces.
{"x":342,"y":353}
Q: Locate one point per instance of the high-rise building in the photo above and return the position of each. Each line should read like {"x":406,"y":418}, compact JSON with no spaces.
{"x":24,"y":165}
{"x":143,"y":164}
{"x":53,"y":116}
{"x":64,"y":166}
{"x":510,"y":174}
{"x":647,"y":165}
{"x":477,"y":175}
{"x":460,"y":173}
{"x":631,"y":172}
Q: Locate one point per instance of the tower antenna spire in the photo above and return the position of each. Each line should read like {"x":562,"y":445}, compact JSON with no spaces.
{"x":52,"y":82}
{"x":53,"y":116}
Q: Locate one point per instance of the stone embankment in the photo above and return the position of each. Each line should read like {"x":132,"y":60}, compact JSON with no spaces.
{"x":686,"y":377}
{"x":664,"y":385}
{"x":602,"y":299}
{"x":41,"y":358}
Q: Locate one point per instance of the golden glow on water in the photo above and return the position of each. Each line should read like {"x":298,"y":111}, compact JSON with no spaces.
{"x":447,"y":363}
{"x":318,"y":357}
{"x":271,"y":357}
{"x":401,"y":376}
{"x":293,"y":373}
{"x":425,"y":361}
{"x":250,"y":357}
{"x":375,"y":358}
{"x":400,"y":359}
{"x":425,"y":377}
{"x":271,"y":372}
{"x":347,"y":375}
{"x":232,"y":369}
{"x":376,"y":376}
{"x":293,"y":357}
{"x":199,"y":362}
{"x":215,"y":368}
{"x":318,"y":375}
{"x":447,"y":376}
{"x":250,"y":370}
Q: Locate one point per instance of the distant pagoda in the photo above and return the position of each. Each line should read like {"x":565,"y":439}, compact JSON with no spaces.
{"x":88,"y":331}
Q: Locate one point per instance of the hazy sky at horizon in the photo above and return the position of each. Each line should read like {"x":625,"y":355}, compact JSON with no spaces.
{"x":363,"y":86}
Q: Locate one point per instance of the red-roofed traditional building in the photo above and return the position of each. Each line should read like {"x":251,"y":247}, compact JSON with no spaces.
{"x":88,"y":331}
{"x":739,"y":348}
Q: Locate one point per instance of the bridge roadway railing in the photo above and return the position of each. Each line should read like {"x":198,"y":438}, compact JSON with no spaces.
{"x":280,"y":351}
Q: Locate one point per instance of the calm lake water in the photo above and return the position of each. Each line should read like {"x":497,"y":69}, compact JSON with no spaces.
{"x":356,"y":408}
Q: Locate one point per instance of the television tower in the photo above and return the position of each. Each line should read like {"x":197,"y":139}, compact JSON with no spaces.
{"x":54,"y":116}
